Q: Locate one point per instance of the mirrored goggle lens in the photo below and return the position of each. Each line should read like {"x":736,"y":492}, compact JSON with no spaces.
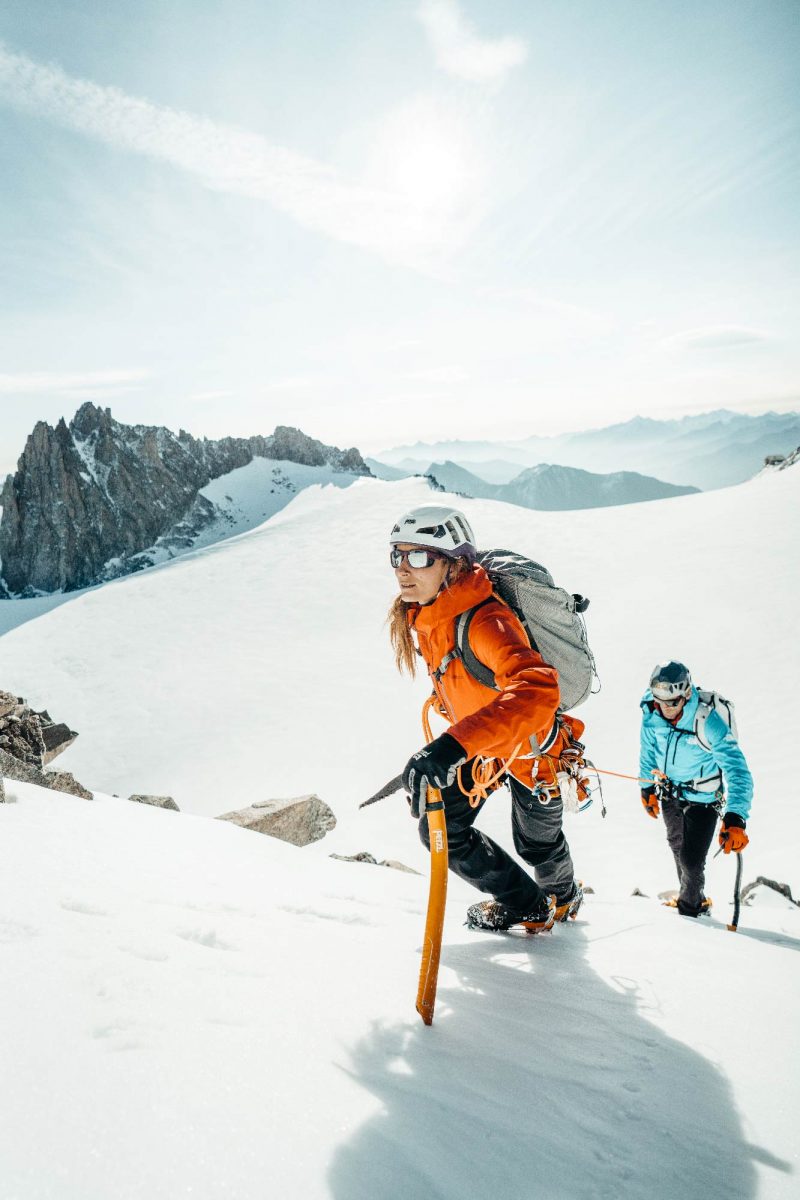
{"x":669,"y":701}
{"x":414,"y":558}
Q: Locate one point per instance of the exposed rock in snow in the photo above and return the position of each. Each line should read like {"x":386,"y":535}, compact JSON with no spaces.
{"x":156,"y":801}
{"x":88,"y":497}
{"x":300,"y":821}
{"x":57,"y":781}
{"x":779,"y":462}
{"x":365,"y":857}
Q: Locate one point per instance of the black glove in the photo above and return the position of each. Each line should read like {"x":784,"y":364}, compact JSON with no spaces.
{"x":433,"y":767}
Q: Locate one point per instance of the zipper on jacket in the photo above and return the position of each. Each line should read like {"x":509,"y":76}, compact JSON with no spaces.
{"x":438,"y":687}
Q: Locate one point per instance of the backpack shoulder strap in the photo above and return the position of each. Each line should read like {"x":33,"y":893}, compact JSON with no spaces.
{"x":464,"y":651}
{"x":705,"y":708}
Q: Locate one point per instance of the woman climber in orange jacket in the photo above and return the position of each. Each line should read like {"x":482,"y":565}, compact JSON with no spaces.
{"x":433,"y":553}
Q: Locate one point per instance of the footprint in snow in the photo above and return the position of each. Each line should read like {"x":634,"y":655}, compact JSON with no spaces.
{"x":117,"y":1034}
{"x":15,"y":931}
{"x":145,"y":953}
{"x":205,"y":937}
{"x":87,"y":907}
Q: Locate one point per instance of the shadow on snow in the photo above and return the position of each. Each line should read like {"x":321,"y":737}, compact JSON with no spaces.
{"x":540,"y":1079}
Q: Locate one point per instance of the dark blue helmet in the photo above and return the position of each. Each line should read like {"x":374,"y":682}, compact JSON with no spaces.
{"x":671,"y":682}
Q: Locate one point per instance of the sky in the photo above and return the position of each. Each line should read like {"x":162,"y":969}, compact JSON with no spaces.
{"x":381,"y":223}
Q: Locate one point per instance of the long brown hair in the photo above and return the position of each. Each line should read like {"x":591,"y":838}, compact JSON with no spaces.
{"x":405,"y":651}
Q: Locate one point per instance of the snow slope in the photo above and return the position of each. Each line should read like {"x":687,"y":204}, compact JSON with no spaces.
{"x":199,"y":1010}
{"x":191,"y":1009}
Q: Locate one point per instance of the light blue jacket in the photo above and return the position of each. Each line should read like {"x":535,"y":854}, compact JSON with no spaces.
{"x":676,"y":750}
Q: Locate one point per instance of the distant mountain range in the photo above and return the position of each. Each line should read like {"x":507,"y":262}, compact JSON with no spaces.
{"x":551,"y":487}
{"x":710,"y":450}
{"x":95,"y":499}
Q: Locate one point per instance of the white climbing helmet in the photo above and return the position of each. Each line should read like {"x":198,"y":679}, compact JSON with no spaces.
{"x":438,"y":526}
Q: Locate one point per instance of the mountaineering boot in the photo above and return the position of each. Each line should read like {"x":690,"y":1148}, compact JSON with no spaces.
{"x":705,"y":906}
{"x":493,"y":915}
{"x":567,"y":910}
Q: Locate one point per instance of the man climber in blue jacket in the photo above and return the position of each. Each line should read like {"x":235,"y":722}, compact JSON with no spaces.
{"x":688,"y":747}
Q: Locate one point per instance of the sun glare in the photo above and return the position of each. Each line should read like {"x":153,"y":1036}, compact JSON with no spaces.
{"x":425,"y":154}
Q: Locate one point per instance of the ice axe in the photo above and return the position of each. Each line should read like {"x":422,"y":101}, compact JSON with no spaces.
{"x":737,"y":894}
{"x":388,"y":789}
{"x":437,"y":894}
{"x":437,"y":898}
{"x":737,"y":890}
{"x":437,"y":890}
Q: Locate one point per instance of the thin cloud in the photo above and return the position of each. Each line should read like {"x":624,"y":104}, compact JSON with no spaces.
{"x":717,"y":337}
{"x":294,"y":383}
{"x":231,"y":160}
{"x":448,"y":375}
{"x":460,"y":51}
{"x":73,"y":383}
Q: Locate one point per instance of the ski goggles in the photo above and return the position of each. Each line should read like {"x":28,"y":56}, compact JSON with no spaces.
{"x":415,"y":558}
{"x":669,"y":701}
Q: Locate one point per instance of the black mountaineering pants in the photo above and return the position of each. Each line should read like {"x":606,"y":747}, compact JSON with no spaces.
{"x":538,"y":839}
{"x":690,"y":828}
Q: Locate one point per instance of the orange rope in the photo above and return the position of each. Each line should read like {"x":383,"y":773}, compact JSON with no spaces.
{"x":484,"y":776}
{"x":620,"y":775}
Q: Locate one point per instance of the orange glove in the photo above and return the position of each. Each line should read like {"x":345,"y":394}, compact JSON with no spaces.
{"x":650,"y":802}
{"x":732,"y":837}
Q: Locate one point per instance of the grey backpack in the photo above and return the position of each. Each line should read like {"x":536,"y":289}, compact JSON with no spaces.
{"x":553,"y":620}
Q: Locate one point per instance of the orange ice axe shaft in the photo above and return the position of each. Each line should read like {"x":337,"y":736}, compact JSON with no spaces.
{"x":437,"y":898}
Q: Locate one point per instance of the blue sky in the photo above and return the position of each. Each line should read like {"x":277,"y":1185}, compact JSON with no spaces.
{"x":384,"y":222}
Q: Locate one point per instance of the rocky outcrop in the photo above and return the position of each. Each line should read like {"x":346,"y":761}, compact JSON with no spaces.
{"x":28,"y":741}
{"x":31,"y":737}
{"x":300,"y":821}
{"x":57,"y":781}
{"x":89,"y":496}
{"x":156,"y":801}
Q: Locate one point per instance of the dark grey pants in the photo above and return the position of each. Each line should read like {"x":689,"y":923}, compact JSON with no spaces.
{"x":538,"y":839}
{"x":690,"y":828}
